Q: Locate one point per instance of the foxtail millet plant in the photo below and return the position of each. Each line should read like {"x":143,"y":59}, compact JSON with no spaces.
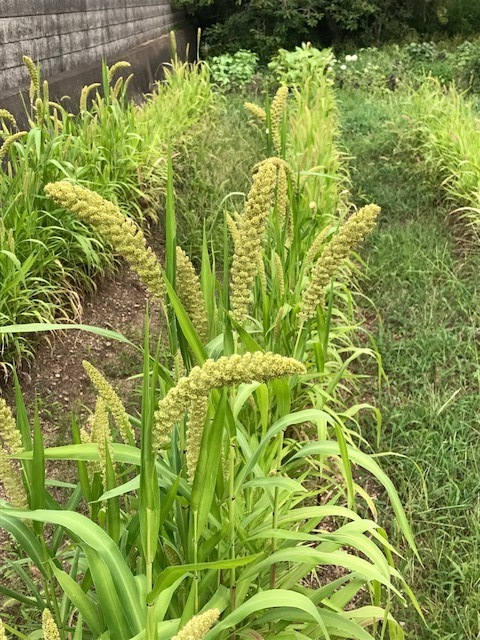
{"x":122,"y":232}
{"x":198,"y":627}
{"x":189,"y":290}
{"x":349,"y":236}
{"x":277,"y":114}
{"x":113,"y":402}
{"x":213,"y":374}
{"x":251,"y":230}
{"x":256,"y":111}
{"x":101,"y":435}
{"x":9,"y":141}
{"x":34,"y":77}
{"x":5,"y":115}
{"x":49,"y":627}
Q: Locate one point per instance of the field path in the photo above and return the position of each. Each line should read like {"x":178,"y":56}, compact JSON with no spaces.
{"x":424,"y":284}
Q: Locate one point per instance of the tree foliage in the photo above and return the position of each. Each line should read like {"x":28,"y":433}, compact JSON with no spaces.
{"x":266,"y":25}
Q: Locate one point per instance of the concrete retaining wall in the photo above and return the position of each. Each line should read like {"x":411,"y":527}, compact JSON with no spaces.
{"x":64,"y":35}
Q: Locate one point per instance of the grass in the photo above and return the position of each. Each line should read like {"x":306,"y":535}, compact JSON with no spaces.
{"x":426,"y":292}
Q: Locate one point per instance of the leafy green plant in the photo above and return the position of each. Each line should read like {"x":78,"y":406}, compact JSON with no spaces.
{"x":293,"y":67}
{"x":233,"y":71}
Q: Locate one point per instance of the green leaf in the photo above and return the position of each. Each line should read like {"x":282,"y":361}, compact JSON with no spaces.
{"x":368,"y":463}
{"x":79,"y":600}
{"x":275,"y":598}
{"x":171,"y":574}
{"x":88,"y":533}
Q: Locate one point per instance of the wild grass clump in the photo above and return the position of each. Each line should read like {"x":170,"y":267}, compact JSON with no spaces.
{"x":115,"y":148}
{"x":235,"y":482}
{"x":442,"y":128}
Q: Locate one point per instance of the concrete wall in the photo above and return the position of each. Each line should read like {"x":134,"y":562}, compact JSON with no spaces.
{"x":65,"y":34}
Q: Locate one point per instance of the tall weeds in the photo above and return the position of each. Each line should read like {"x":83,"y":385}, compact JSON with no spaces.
{"x":111,"y":146}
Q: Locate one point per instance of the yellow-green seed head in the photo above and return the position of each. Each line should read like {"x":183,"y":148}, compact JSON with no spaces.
{"x":316,"y":247}
{"x":8,"y":117}
{"x":196,"y":422}
{"x":256,"y":111}
{"x":262,"y":275}
{"x":282,"y":195}
{"x":279,"y":275}
{"x":46,"y":93}
{"x":251,"y":230}
{"x":101,"y":434}
{"x":116,"y":67}
{"x":277,"y":111}
{"x":117,"y":88}
{"x":12,"y":482}
{"x":178,"y":366}
{"x":9,"y":434}
{"x":9,"y":141}
{"x":113,"y":402}
{"x":34,"y":79}
{"x":125,"y":236}
{"x":278,"y":324}
{"x":190,"y":293}
{"x":213,"y":374}
{"x":50,"y":629}
{"x":86,"y":91}
{"x":3,"y":635}
{"x":233,"y":230}
{"x":350,"y":235}
{"x":198,"y":627}
{"x":40,"y":112}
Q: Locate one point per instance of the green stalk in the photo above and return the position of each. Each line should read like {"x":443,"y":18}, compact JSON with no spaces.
{"x":231,"y":510}
{"x":195,"y":561}
{"x":273,"y":569}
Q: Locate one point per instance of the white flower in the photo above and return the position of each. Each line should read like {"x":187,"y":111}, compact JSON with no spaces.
{"x":348,"y":58}
{"x":343,"y":67}
{"x":354,"y":58}
{"x":266,"y":131}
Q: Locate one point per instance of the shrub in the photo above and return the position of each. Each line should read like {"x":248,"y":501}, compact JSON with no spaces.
{"x":233,"y":71}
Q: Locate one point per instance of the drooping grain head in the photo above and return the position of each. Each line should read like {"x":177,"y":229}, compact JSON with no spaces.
{"x":350,"y":235}
{"x":256,"y":111}
{"x":125,"y":236}
{"x":113,"y":402}
{"x":34,"y":79}
{"x":101,"y":435}
{"x":12,"y":482}
{"x":213,"y":374}
{"x":196,"y":421}
{"x":251,"y":230}
{"x":8,"y":117}
{"x":189,"y":291}
{"x":9,"y":141}
{"x":116,"y":67}
{"x":86,"y":91}
{"x":9,"y":434}
{"x":277,"y":110}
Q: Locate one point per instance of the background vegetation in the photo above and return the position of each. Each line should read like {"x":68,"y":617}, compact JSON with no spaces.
{"x":264,"y":26}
